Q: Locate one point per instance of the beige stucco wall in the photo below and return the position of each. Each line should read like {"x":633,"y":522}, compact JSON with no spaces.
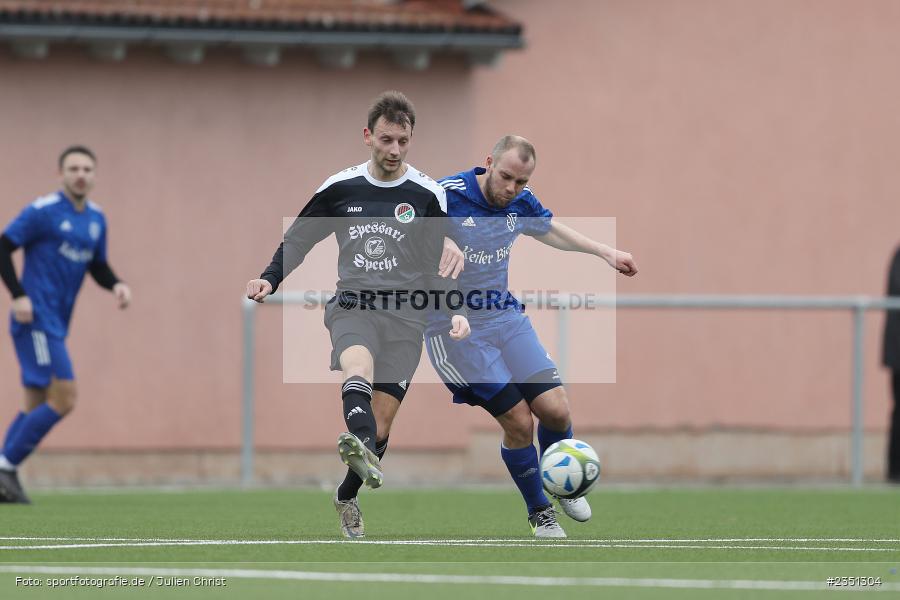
{"x":198,"y":165}
{"x":743,"y":148}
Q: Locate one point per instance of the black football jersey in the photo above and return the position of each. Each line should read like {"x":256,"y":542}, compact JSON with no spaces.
{"x":390,"y":234}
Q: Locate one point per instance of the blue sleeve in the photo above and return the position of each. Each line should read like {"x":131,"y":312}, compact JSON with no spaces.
{"x":25,"y":228}
{"x":538,"y":221}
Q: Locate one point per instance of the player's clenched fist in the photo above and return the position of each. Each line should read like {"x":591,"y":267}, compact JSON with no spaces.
{"x":257,"y":289}
{"x":22,"y":309}
{"x":461,"y":329}
{"x":624,"y":264}
{"x":621,"y":261}
{"x":123,"y":294}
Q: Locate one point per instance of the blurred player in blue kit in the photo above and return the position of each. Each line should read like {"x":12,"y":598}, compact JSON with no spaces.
{"x":63,"y":236}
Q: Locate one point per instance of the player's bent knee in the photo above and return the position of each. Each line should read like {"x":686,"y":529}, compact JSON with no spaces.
{"x":62,"y":396}
{"x":357,"y":371}
{"x":357,"y":361}
{"x":518,"y":426}
{"x":552,"y":409}
{"x":554,"y":414}
{"x":557,"y":421}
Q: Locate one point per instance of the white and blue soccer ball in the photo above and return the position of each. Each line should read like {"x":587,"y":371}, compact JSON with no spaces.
{"x":569,"y":469}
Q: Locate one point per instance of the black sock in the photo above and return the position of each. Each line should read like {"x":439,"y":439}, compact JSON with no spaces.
{"x":357,"y":395}
{"x":349,"y":488}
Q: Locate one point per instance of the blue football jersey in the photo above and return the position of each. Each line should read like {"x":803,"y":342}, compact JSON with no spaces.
{"x":59,"y":244}
{"x":486,"y":235}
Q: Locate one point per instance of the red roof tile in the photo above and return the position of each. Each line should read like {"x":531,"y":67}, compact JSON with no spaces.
{"x":338,"y":15}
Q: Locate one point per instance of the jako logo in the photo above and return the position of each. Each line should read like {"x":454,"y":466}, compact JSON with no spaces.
{"x":351,"y":209}
{"x":527,"y":473}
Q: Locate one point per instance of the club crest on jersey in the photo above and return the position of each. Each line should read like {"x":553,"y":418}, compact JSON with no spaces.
{"x":94,"y":230}
{"x":405,"y":213}
{"x":375,"y":247}
{"x":511,"y":219}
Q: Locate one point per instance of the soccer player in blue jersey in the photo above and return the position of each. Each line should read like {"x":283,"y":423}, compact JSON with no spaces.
{"x":502,"y":366}
{"x":63,"y":236}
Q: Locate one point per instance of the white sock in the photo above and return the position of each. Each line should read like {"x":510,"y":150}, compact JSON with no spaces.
{"x":5,"y":465}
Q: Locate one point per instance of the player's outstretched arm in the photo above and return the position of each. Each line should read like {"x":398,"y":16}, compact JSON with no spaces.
{"x":565,"y":238}
{"x":309,"y":228}
{"x":258,"y":289}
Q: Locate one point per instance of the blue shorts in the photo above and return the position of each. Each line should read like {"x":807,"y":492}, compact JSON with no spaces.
{"x":41,"y":356}
{"x":498,"y":352}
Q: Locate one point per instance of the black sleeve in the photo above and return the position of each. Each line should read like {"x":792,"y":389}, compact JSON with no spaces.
{"x":7,"y":269}
{"x":894,"y":275}
{"x":103,"y":274}
{"x":433,"y":246}
{"x":310,"y":227}
{"x":890,"y":342}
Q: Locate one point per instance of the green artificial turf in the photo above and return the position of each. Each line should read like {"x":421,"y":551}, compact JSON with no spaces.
{"x":716,"y":538}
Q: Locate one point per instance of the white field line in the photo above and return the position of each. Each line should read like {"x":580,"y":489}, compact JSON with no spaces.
{"x":708,"y":544}
{"x":733,"y":584}
{"x":475,"y":540}
{"x":88,"y":539}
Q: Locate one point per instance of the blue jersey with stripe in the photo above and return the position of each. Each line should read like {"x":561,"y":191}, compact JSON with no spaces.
{"x":60,"y":243}
{"x":486,"y":235}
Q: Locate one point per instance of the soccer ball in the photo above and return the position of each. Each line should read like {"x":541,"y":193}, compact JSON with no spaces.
{"x":569,"y":469}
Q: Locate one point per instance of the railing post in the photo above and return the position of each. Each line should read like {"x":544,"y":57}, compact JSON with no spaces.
{"x":856,"y":439}
{"x":562,"y":339}
{"x":249,"y":309}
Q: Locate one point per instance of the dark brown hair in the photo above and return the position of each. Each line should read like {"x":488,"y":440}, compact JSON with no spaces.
{"x":394,"y":107}
{"x":76,"y":150}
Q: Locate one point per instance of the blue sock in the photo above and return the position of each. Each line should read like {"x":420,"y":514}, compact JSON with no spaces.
{"x":548,"y":437}
{"x":12,"y":431}
{"x":526,"y":473}
{"x":32,"y":430}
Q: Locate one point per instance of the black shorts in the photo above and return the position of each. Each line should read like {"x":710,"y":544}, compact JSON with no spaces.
{"x":395,"y":344}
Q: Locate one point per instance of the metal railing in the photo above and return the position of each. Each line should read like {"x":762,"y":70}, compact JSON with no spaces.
{"x":856,"y":305}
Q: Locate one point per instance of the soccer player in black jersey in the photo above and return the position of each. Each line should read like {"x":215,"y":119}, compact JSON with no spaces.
{"x":389,"y":222}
